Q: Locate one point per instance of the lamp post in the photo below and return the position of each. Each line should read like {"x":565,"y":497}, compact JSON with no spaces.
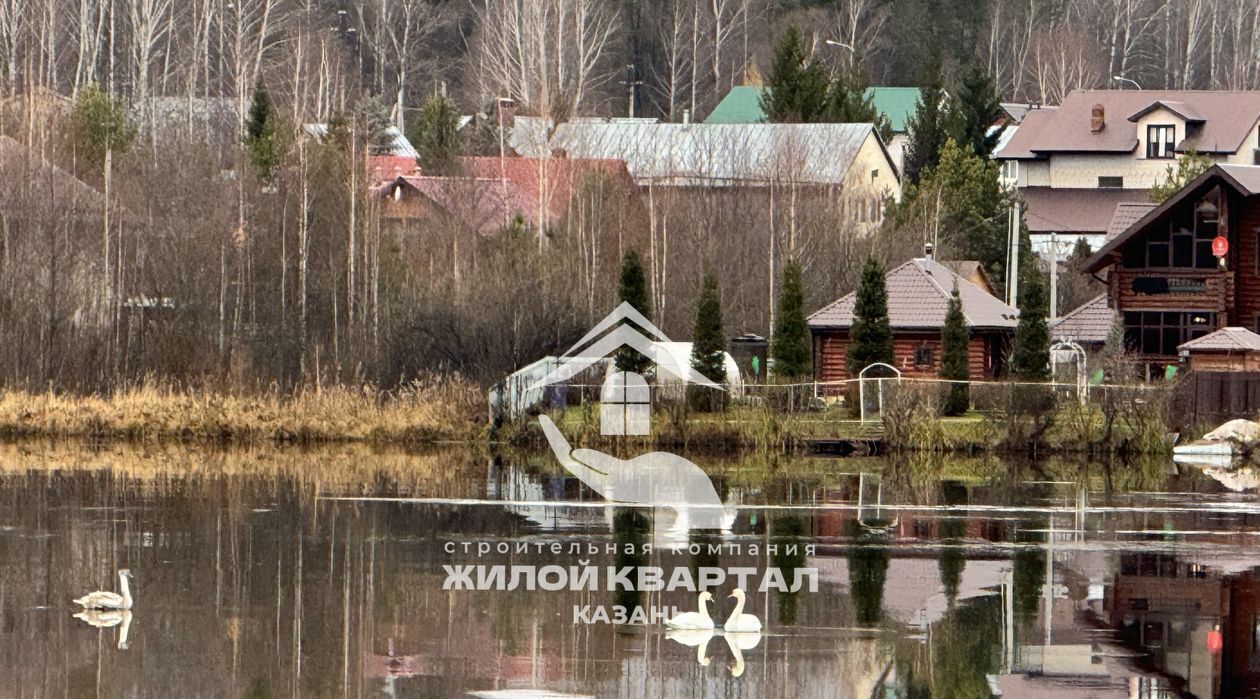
{"x":1121,"y":78}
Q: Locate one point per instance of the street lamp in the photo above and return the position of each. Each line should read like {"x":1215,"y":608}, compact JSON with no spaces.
{"x":1121,"y":78}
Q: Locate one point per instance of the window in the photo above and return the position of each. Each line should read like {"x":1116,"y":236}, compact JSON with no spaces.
{"x":874,"y":174}
{"x":1161,"y":141}
{"x":1160,"y":332}
{"x":1184,"y":243}
{"x":1110,"y":182}
{"x":625,"y":405}
{"x":923,"y":357}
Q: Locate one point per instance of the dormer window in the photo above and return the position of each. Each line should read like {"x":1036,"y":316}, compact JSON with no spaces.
{"x":1161,"y":141}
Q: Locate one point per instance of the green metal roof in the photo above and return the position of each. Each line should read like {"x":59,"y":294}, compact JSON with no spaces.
{"x":741,"y":105}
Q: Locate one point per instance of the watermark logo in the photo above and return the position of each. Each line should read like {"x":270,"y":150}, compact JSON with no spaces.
{"x":657,"y":479}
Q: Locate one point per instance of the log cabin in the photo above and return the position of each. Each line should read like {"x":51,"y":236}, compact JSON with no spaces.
{"x":918,"y":299}
{"x":1163,"y":276}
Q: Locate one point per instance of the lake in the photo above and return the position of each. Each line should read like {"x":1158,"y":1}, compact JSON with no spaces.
{"x":350,"y":572}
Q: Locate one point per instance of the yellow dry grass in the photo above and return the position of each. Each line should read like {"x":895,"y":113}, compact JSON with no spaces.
{"x":439,"y":409}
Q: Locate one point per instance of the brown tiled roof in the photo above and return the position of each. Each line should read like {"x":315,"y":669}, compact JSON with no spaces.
{"x":970,"y":270}
{"x":1089,"y":323}
{"x":1244,"y":179}
{"x":1127,"y":212}
{"x":1226,"y":118}
{"x":1060,"y":210}
{"x":1032,"y":124}
{"x":918,"y":298}
{"x":1224,"y":340}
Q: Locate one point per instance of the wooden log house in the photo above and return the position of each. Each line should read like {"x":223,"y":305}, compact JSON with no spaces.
{"x":918,"y":299}
{"x":1162,"y":274}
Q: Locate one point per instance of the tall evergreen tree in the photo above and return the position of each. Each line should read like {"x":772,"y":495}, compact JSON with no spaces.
{"x":708,"y":339}
{"x":977,"y":109}
{"x":264,"y":134}
{"x":796,"y":89}
{"x":928,"y":127}
{"x":870,"y":338}
{"x":435,"y":134}
{"x":850,"y":102}
{"x":955,"y":363}
{"x":100,"y":125}
{"x":632,"y":289}
{"x":1030,"y":360}
{"x":790,"y":347}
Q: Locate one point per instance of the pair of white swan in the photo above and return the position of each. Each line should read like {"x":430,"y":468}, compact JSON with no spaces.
{"x":737,"y":622}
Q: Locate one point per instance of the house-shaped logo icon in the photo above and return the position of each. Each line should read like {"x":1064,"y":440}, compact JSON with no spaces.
{"x":625,"y":406}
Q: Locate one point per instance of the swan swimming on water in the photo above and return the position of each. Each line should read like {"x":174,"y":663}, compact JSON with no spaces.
{"x":109,"y":600}
{"x":694,"y":620}
{"x":739,"y":622}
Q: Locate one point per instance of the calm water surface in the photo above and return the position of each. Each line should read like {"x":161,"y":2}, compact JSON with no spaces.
{"x":278,"y":574}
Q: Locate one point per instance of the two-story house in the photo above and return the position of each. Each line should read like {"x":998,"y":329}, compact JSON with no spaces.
{"x":1165,"y":275}
{"x":1075,"y":163}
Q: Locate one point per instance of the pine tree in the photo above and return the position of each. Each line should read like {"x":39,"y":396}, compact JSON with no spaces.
{"x":100,"y":125}
{"x":796,"y":89}
{"x":790,"y":347}
{"x":264,"y":134}
{"x":928,"y":128}
{"x":849,"y":101}
{"x":435,"y":135}
{"x":977,"y":109}
{"x":632,"y":289}
{"x":708,"y":340}
{"x":1030,"y":360}
{"x":870,"y":338}
{"x":955,"y":362}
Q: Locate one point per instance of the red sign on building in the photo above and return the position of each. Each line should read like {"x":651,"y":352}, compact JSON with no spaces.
{"x":1220,"y":246}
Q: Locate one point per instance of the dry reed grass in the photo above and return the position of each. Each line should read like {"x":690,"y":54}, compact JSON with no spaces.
{"x":424,"y":411}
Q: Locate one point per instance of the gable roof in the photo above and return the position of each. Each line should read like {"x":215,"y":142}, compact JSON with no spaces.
{"x":1126,"y":214}
{"x":1232,"y":339}
{"x":1089,"y":323}
{"x":1226,"y":119}
{"x":742,"y":105}
{"x":972,"y":271}
{"x":397,"y":142}
{"x":918,"y":299}
{"x":1245,"y":179}
{"x":708,"y":154}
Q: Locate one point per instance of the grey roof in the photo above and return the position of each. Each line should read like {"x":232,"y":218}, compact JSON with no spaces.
{"x":398,"y":143}
{"x":710,"y":154}
{"x":918,"y":299}
{"x":1089,"y":323}
{"x":1224,"y":340}
{"x":1127,"y":212}
{"x":1226,"y":120}
{"x":1064,"y":210}
{"x":1245,"y":179}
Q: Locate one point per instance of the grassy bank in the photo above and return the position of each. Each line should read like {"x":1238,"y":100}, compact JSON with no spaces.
{"x":422,"y":412}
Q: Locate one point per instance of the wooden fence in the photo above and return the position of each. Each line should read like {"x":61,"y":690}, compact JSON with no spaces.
{"x":1208,"y":398}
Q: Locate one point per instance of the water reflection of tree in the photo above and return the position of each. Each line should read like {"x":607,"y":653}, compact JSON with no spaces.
{"x":789,"y":530}
{"x":1028,"y":570}
{"x":963,"y":648}
{"x":868,"y":571}
{"x":631,"y":530}
{"x":951,"y":531}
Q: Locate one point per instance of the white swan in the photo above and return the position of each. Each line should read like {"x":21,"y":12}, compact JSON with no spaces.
{"x":694,"y":620}
{"x":739,"y":622}
{"x":109,"y":600}
{"x":696,"y":638}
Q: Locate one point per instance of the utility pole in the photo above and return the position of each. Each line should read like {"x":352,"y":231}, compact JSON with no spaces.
{"x":630,"y":84}
{"x":1012,"y":287}
{"x":1054,"y":276}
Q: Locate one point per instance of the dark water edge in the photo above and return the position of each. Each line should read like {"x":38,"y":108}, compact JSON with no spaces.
{"x":256,"y":576}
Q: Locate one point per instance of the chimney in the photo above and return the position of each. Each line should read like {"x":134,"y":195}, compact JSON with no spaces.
{"x":506,"y":109}
{"x":686,"y":116}
{"x":928,"y":251}
{"x":1097,"y":122}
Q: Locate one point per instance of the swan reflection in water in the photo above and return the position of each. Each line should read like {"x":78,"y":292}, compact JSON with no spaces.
{"x":738,"y":643}
{"x":108,"y":619}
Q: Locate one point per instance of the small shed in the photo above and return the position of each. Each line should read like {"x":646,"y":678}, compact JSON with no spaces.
{"x":1227,"y":349}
